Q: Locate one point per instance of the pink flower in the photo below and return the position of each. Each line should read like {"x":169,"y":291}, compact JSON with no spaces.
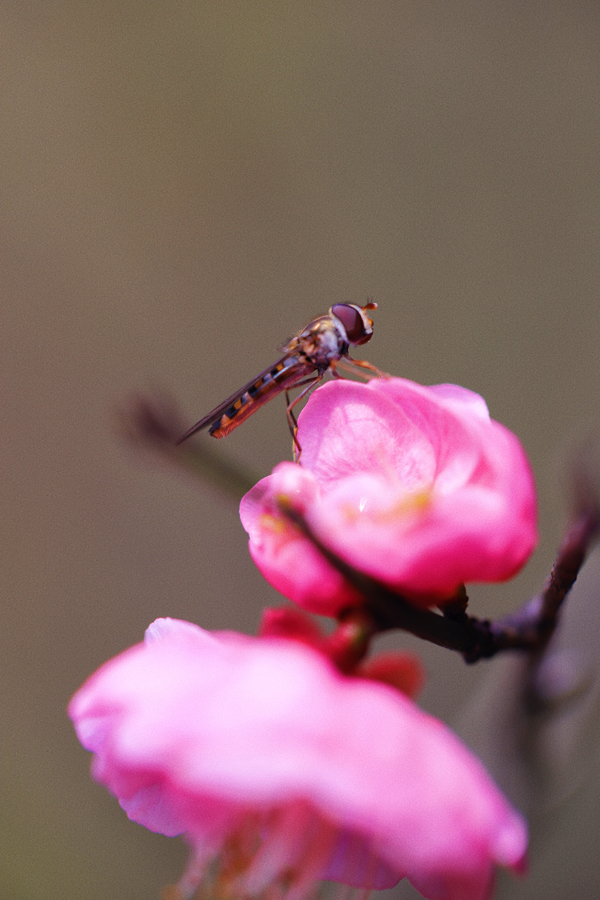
{"x":282,"y":772}
{"x":415,"y":486}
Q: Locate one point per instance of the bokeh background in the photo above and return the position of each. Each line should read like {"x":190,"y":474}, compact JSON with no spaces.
{"x":182,"y":186}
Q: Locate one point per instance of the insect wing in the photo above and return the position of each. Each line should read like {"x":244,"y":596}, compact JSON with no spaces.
{"x":280,"y":376}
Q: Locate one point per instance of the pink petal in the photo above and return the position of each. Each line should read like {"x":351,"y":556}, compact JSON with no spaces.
{"x":288,"y":561}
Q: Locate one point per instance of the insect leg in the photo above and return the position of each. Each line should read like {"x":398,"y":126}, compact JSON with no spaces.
{"x":310,"y":384}
{"x":350,"y":365}
{"x":333,"y":369}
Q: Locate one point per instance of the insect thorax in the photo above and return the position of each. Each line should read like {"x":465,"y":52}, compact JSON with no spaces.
{"x":320,"y":343}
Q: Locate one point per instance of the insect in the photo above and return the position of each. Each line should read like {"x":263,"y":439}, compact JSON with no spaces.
{"x":320,"y":347}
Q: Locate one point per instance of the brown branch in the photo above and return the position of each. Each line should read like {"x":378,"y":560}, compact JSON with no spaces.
{"x":529,"y":629}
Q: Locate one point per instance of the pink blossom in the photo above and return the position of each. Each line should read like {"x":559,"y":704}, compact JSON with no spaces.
{"x":281,"y":771}
{"x":415,"y":486}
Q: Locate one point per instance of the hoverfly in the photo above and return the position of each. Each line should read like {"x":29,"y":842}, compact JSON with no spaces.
{"x":320,"y":347}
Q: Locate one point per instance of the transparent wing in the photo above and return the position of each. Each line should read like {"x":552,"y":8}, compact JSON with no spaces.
{"x":280,"y":376}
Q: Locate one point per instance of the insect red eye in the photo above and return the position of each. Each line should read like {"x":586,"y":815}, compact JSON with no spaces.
{"x":355,"y":327}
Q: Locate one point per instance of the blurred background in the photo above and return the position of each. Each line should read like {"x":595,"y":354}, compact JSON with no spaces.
{"x":185,"y":184}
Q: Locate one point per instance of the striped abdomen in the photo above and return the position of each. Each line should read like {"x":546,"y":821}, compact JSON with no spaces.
{"x":283,"y":375}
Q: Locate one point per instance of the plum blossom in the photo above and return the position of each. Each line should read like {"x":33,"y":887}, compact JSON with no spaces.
{"x":281,"y":771}
{"x":415,"y":486}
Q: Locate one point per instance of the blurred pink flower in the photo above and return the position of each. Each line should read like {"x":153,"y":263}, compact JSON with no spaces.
{"x":415,"y":486}
{"x":282,"y":772}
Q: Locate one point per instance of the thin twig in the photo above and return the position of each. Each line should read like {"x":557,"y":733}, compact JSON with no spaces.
{"x":154,"y":423}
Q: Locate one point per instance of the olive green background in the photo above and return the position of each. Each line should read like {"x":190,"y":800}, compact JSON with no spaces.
{"x":182,"y":186}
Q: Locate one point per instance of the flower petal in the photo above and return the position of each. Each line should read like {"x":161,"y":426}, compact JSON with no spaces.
{"x":197,"y":732}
